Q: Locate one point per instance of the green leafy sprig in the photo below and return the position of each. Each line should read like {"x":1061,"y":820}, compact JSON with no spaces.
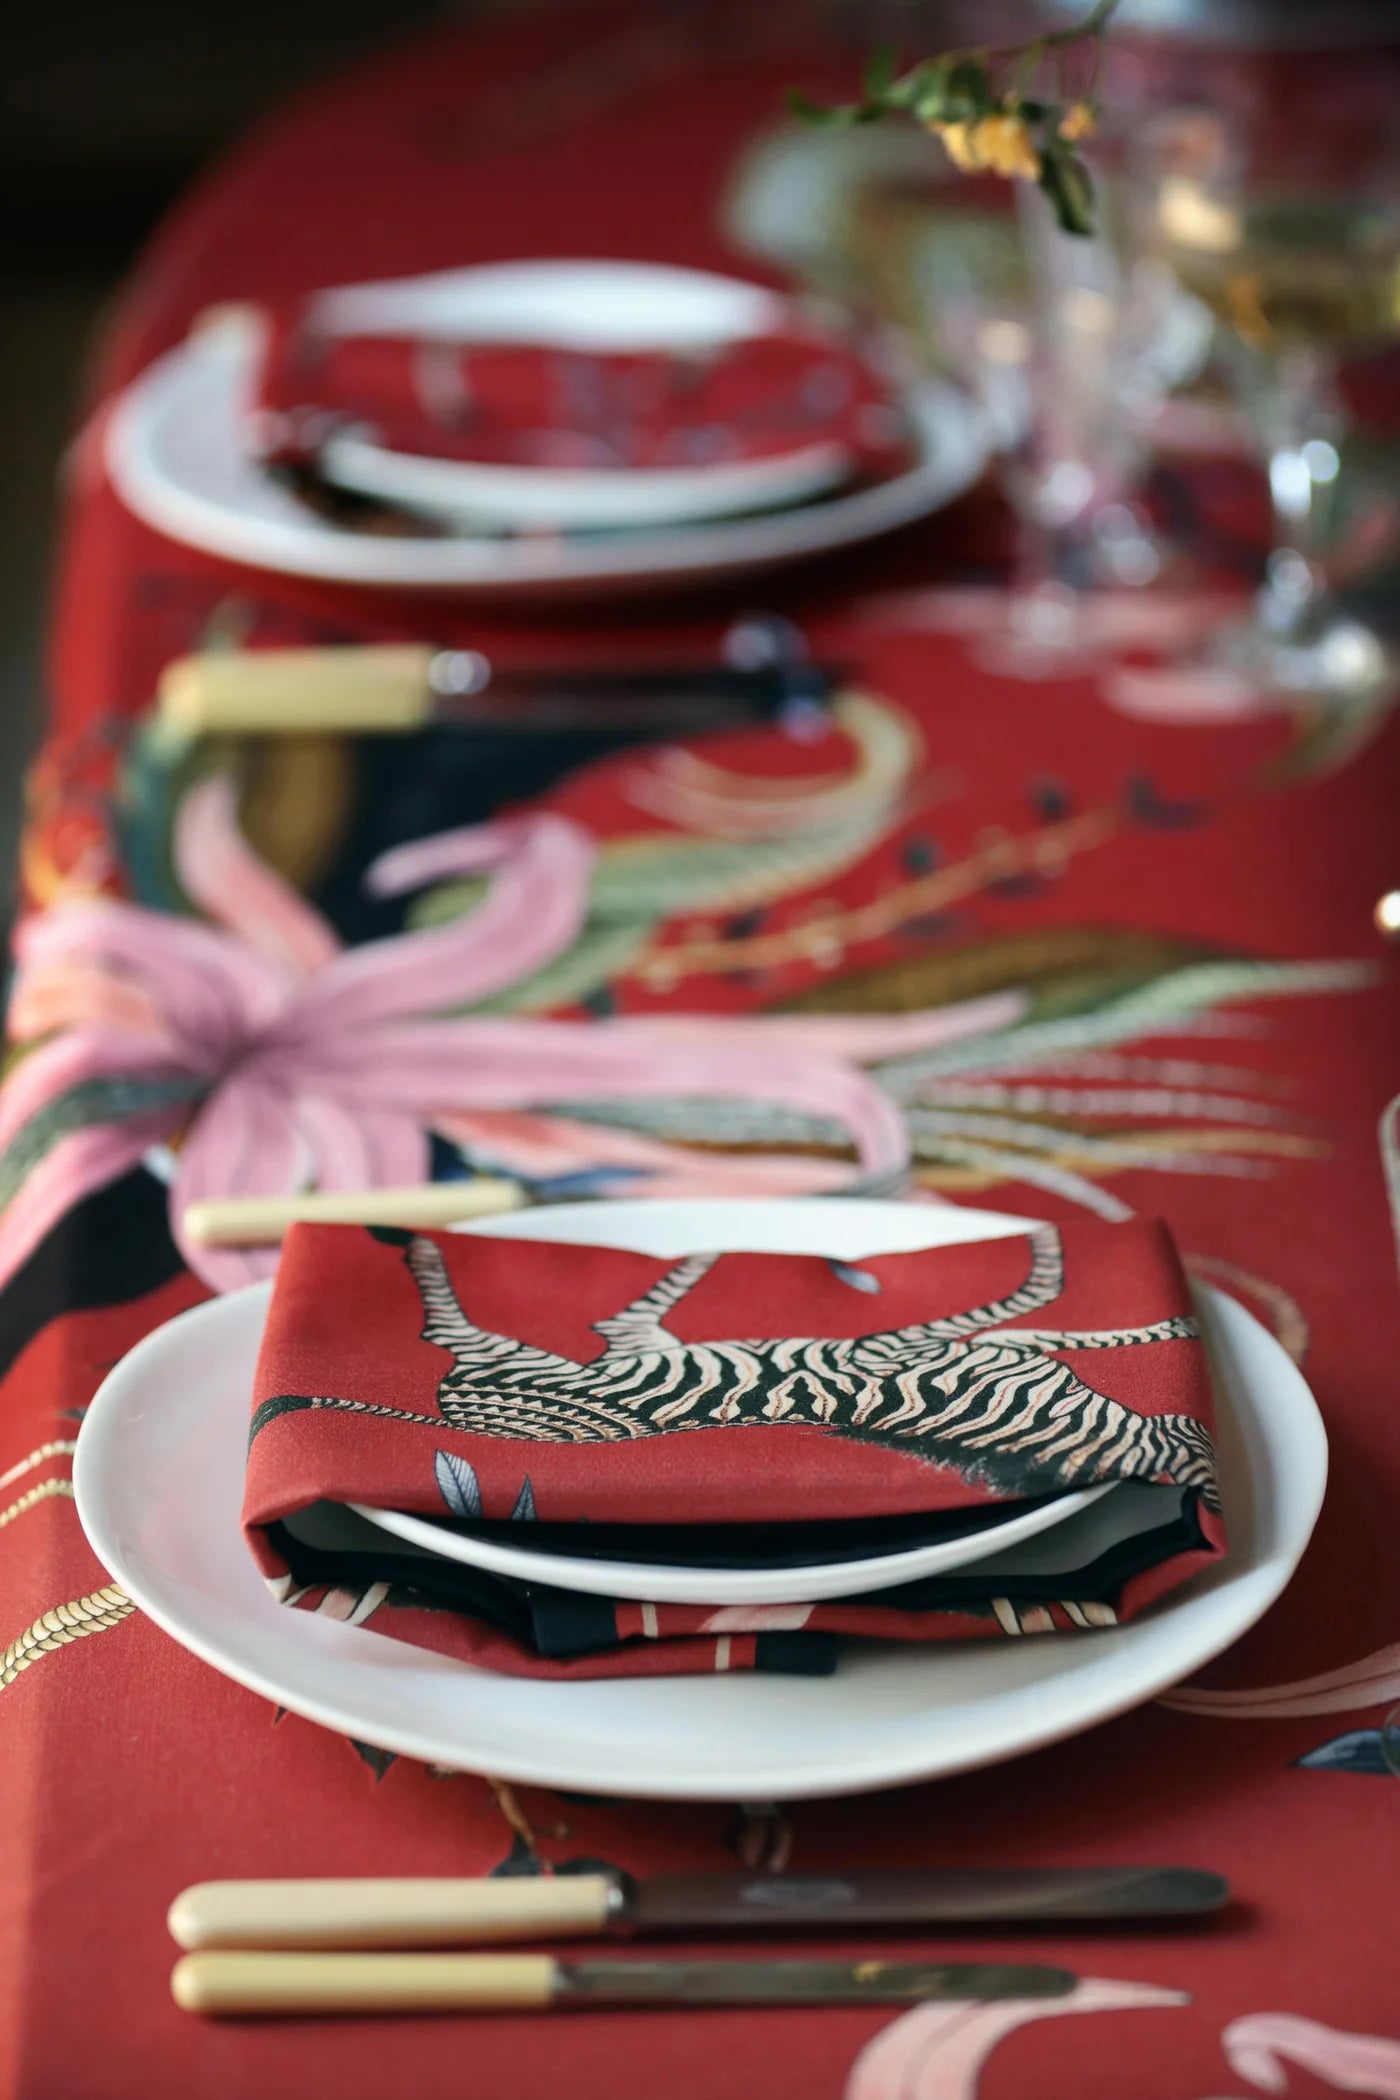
{"x":992,"y":109}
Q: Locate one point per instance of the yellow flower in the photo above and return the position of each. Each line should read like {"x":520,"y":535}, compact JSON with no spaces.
{"x":1000,"y":141}
{"x":1078,"y":121}
{"x":1005,"y":144}
{"x":957,"y":138}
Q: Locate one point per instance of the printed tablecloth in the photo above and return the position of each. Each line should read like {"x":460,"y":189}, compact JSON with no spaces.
{"x":1106,"y":950}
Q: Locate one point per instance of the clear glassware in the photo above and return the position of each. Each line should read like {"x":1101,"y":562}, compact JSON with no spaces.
{"x":1293,"y":242}
{"x":1069,"y":372}
{"x":1093,"y":384}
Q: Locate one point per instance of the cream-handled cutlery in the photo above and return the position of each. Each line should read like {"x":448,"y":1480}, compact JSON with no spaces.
{"x":258,"y":1221}
{"x":445,"y":1912}
{"x":760,"y":673}
{"x":233,"y":1983}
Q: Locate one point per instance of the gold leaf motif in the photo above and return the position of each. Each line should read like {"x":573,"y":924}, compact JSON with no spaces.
{"x":42,"y":1493}
{"x":1063,"y":967}
{"x":996,"y":859}
{"x":66,"y":1622}
{"x":62,"y":1447}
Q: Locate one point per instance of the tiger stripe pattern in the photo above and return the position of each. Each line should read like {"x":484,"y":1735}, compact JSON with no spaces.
{"x":967,"y":1391}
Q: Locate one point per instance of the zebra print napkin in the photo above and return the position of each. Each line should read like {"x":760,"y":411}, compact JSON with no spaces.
{"x":535,"y":405}
{"x":751,"y":1403}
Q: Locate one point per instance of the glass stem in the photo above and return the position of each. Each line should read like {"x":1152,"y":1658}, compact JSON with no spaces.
{"x":1298,"y":422}
{"x":1046,"y":610}
{"x":1069,"y":468}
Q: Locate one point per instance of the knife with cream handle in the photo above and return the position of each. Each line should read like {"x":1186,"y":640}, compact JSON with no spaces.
{"x":444,"y":1912}
{"x":232,"y":1983}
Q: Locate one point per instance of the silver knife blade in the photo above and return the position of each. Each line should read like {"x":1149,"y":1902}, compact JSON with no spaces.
{"x":1023,"y":1896}
{"x":867,"y":1982}
{"x":763,"y":672}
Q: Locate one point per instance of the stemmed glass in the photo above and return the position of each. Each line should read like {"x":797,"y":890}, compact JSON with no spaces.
{"x":1068,"y":377}
{"x":1292,"y":238}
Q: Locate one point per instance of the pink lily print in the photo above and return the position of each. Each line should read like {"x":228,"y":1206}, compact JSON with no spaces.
{"x":1374,"y":1680}
{"x":274,"y":1059}
{"x":938,"y":2052}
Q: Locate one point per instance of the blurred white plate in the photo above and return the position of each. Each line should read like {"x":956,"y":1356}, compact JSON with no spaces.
{"x":159,"y":1475}
{"x":177,"y":455}
{"x":792,"y":201}
{"x":788,"y":199}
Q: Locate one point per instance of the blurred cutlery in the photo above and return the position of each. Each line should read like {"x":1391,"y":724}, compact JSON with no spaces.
{"x":259,"y":1221}
{"x":761,"y":674}
{"x":234,"y":1983}
{"x":441,"y":1911}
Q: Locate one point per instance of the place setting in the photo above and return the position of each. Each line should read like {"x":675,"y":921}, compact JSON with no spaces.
{"x":699,"y":1151}
{"x":538,"y":428}
{"x":662,"y":1560}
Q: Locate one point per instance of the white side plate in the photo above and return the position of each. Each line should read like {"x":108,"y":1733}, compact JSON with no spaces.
{"x":159,"y":1472}
{"x":658,"y":1583}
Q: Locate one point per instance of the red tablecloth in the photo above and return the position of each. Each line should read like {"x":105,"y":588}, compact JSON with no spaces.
{"x":1089,"y":843}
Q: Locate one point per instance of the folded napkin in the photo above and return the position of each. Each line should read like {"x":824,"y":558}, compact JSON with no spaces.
{"x":532,"y":405}
{"x":596,"y":1395}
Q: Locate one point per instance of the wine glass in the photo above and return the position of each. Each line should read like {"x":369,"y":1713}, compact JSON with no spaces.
{"x":1291,"y":236}
{"x":1069,"y":367}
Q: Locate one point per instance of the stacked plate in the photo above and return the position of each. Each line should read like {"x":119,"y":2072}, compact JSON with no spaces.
{"x":183,"y":447}
{"x":159,"y":1481}
{"x":787,"y":1579}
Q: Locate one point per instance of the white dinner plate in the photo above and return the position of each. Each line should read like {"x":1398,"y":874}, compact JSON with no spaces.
{"x":158,"y":1477}
{"x":177,"y":455}
{"x":654,"y":1582}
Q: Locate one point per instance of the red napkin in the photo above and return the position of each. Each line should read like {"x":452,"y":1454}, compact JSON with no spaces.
{"x":494,"y":1382}
{"x":529,"y":405}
